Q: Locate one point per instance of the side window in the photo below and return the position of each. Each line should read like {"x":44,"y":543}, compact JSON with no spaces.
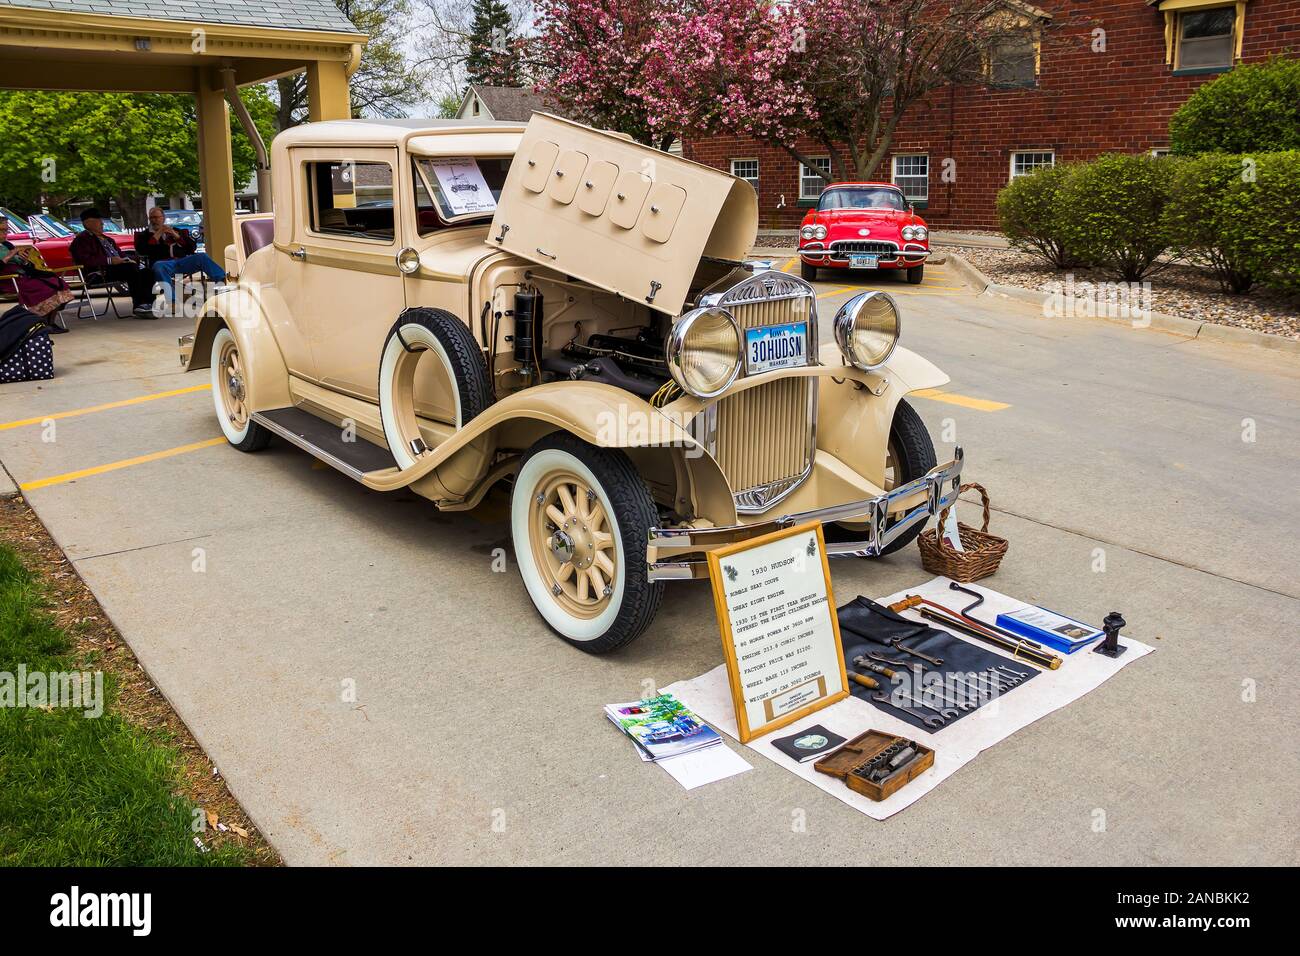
{"x":351,"y":199}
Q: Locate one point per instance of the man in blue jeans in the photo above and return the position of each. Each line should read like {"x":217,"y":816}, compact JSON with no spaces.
{"x":170,"y":251}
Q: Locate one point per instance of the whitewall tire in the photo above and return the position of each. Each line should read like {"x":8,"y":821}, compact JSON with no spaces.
{"x":449,"y":341}
{"x":580,"y":518}
{"x":230,"y":395}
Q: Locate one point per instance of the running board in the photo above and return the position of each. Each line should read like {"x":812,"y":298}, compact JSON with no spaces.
{"x":355,"y":458}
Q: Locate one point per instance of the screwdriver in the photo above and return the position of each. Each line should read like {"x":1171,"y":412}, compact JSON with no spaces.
{"x":869,"y":682}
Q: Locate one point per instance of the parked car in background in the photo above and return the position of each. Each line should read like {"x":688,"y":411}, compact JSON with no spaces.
{"x":863,"y":226}
{"x":51,"y":240}
{"x":191,"y":219}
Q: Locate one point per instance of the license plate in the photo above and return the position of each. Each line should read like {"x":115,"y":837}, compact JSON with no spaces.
{"x":863,"y":262}
{"x":776,"y":346}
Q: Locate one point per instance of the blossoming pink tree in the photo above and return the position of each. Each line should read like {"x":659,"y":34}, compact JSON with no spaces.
{"x":590,"y":57}
{"x":837,"y":73}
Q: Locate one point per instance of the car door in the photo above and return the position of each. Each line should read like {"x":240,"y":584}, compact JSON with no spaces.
{"x":341,"y":274}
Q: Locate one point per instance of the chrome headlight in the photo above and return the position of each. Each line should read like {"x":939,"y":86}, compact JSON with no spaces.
{"x":909,"y":232}
{"x":866,"y":329}
{"x":806,"y":232}
{"x":819,"y":232}
{"x":703,"y":351}
{"x":921,"y":232}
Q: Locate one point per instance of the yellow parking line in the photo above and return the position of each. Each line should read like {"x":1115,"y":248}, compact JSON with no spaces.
{"x":115,"y":465}
{"x":105,"y":407}
{"x":841,"y":289}
{"x":965,"y":401}
{"x":789,"y":264}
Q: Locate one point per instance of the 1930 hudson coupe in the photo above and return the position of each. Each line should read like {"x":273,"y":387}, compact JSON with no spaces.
{"x":447,"y":306}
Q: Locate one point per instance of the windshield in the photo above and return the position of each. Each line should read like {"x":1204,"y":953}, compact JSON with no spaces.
{"x":15,"y":224}
{"x":458,"y":189}
{"x":861,"y":197}
{"x":52,"y":226}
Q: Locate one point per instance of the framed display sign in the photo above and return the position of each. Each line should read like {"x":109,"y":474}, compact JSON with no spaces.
{"x":779,"y":630}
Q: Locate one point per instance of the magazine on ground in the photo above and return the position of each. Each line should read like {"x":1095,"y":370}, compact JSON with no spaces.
{"x":662,"y":726}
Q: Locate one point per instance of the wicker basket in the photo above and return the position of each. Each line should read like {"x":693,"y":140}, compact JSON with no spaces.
{"x":983,"y":552}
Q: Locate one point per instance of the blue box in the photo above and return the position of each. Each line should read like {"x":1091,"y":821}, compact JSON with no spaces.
{"x":1047,"y":627}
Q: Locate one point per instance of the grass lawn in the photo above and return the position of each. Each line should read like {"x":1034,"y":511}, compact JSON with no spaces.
{"x":79,"y":791}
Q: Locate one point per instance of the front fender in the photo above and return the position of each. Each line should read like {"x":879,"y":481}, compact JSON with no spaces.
{"x":266,"y":378}
{"x":855,"y":416}
{"x":666,"y":454}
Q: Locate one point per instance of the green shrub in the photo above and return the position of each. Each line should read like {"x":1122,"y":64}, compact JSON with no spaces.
{"x":1030,"y":215}
{"x":1112,"y":213}
{"x":1263,"y":209}
{"x":1251,"y":109}
{"x":1204,"y":223}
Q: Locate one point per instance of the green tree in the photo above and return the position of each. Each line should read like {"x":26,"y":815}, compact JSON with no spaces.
{"x":62,"y":146}
{"x":385,"y":83}
{"x":448,"y":105}
{"x":1251,"y":109}
{"x":493,"y":57}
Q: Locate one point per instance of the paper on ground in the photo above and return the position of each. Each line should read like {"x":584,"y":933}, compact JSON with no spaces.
{"x":709,"y":695}
{"x":704,"y":766}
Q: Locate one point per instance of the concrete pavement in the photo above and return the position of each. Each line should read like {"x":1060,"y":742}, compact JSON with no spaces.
{"x":374,"y":692}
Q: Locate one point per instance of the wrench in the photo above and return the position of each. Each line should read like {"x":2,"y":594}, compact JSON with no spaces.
{"x":947,"y":713}
{"x":928,"y":721}
{"x":1012,"y":673}
{"x":941,"y":693}
{"x":897,"y":644}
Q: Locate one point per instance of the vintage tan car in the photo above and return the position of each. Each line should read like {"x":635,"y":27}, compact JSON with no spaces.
{"x":446,"y":306}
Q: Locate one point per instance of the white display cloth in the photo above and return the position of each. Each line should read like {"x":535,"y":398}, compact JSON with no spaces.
{"x":709,"y":695}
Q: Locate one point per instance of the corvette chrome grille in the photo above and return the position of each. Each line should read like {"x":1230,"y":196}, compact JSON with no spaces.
{"x":863,"y":247}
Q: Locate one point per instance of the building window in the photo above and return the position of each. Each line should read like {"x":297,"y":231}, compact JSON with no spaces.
{"x":810,"y":183}
{"x":1022,"y":164}
{"x":1159,"y":152}
{"x":1013,"y":60}
{"x":912,"y":176}
{"x":746,"y":169}
{"x":1206,"y":39}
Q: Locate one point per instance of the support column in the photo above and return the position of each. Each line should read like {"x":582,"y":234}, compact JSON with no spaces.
{"x":327,"y":91}
{"x":216,"y":168}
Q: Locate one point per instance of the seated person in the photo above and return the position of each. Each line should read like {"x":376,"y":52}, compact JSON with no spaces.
{"x":96,"y":251}
{"x":41,"y":292}
{"x":170,"y":251}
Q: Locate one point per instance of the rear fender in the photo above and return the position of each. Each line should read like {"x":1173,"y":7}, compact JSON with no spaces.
{"x":240,"y":310}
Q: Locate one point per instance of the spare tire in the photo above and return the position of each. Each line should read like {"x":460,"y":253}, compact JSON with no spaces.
{"x":428,"y":330}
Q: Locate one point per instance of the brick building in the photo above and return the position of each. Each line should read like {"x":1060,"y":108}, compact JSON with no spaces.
{"x":1059,"y":100}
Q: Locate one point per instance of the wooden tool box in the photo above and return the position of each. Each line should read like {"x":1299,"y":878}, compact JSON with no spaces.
{"x":856,"y":756}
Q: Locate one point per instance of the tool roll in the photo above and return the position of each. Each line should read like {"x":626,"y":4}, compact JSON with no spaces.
{"x":869,"y":628}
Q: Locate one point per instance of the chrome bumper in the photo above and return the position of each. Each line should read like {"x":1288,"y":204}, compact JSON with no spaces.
{"x":186,"y":346}
{"x":940,"y":485}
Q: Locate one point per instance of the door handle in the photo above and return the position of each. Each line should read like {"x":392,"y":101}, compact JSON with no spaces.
{"x":300,"y":254}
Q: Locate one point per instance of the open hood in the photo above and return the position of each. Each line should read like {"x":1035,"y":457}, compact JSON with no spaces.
{"x":623,"y":217}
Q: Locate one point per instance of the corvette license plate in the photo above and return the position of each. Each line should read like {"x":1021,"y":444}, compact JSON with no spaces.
{"x":776,"y":346}
{"x":863,"y":262}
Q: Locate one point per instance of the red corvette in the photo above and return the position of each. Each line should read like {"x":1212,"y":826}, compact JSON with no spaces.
{"x":863,"y":226}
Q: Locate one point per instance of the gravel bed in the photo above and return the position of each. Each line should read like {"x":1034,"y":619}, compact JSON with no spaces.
{"x":1176,"y":290}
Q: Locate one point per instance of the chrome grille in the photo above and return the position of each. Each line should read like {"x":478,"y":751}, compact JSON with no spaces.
{"x":863,"y":247}
{"x":765,"y":440}
{"x":764,"y":437}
